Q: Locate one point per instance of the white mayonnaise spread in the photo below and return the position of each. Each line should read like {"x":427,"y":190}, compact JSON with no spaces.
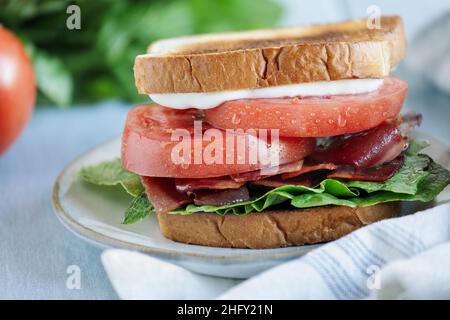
{"x":208,"y":100}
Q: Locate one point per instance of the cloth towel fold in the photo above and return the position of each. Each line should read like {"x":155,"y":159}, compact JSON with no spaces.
{"x":401,"y":258}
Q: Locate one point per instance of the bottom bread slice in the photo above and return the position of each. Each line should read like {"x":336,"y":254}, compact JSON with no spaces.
{"x":272,"y":229}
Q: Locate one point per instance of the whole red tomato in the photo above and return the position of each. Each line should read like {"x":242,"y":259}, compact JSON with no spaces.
{"x":17,"y":88}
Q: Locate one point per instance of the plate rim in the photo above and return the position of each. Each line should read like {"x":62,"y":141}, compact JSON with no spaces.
{"x":98,"y":238}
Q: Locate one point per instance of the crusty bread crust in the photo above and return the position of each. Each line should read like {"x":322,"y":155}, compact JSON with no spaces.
{"x":257,"y":59}
{"x":272,"y":229}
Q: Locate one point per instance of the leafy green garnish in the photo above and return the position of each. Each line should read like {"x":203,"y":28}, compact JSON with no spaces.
{"x":110,"y":173}
{"x":138,"y":209}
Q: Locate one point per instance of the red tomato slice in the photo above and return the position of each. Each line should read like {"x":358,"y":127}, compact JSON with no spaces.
{"x":148,"y":146}
{"x":313,"y":116}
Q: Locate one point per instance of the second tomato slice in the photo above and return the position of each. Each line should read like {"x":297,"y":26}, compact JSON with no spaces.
{"x":313,"y":116}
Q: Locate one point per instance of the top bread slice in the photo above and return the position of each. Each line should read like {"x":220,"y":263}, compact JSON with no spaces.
{"x":264,"y":58}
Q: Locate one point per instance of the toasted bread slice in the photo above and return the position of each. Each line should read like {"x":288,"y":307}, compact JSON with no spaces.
{"x":263,"y":58}
{"x":272,"y":229}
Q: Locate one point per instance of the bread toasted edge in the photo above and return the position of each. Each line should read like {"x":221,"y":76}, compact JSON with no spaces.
{"x":259,"y":67}
{"x":351,"y":30}
{"x":272,"y":229}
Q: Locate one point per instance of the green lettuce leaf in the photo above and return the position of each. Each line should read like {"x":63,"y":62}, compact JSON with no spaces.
{"x":330,"y":191}
{"x":138,"y":209}
{"x":415,"y":146}
{"x":427,"y":189}
{"x":111,"y":173}
{"x":54,"y":80}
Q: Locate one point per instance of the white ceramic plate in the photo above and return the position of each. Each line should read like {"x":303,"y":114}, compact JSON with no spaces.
{"x":95,"y":213}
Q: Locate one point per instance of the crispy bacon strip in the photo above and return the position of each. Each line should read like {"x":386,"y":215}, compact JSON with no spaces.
{"x":309,"y":168}
{"x":260,"y":174}
{"x":222,"y":197}
{"x":378,"y":173}
{"x":372,"y":147}
{"x":275,"y":182}
{"x":163,"y":195}
{"x":220,"y":183}
{"x":364,"y":150}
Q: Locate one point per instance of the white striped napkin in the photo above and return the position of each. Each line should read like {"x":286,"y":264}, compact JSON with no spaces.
{"x":407,"y":257}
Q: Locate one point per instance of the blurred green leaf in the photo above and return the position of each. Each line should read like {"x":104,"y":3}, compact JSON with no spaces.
{"x":96,"y":62}
{"x":53,"y":78}
{"x":24,"y":9}
{"x":111,"y":173}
